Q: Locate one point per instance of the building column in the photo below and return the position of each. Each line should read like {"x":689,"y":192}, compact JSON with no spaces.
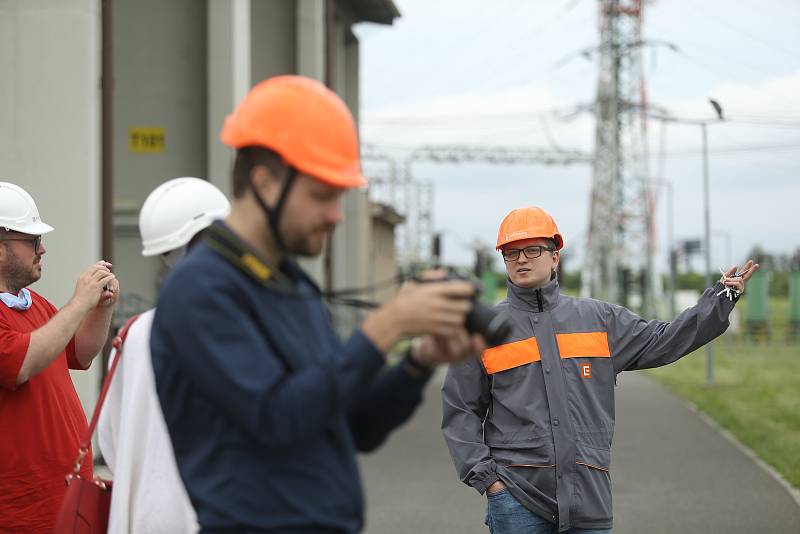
{"x":311,"y":63}
{"x":229,"y":79}
{"x":311,"y":39}
{"x":50,"y":136}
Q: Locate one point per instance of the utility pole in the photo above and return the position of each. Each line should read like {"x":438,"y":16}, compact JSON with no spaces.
{"x":706,"y":210}
{"x":671,"y":252}
{"x":707,"y":238}
{"x":671,"y":282}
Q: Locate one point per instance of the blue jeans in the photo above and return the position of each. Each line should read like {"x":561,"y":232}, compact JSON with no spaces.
{"x":505,"y":515}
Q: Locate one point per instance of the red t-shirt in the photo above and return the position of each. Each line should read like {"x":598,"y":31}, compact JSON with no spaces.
{"x":41,"y":425}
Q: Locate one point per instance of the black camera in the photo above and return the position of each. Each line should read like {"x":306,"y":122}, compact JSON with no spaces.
{"x":481,"y":319}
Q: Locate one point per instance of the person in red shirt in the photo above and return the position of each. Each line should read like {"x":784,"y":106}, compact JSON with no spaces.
{"x":41,"y":418}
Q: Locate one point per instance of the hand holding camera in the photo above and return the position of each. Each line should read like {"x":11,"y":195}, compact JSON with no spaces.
{"x":493,"y":327}
{"x":95,"y":286}
{"x":432,"y":304}
{"x":430,"y":351}
{"x":443,"y":305}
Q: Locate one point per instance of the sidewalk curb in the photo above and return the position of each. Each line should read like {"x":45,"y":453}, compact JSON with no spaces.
{"x":793,"y":492}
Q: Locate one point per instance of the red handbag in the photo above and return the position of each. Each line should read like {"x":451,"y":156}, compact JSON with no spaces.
{"x":85,"y":507}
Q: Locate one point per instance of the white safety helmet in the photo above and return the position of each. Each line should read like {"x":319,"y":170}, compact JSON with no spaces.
{"x":18,"y":211}
{"x":176,"y":210}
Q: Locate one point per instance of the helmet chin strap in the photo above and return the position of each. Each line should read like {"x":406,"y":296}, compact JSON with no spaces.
{"x":274,"y":214}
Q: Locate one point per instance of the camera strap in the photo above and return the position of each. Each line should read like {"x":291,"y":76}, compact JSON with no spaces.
{"x":225,"y":242}
{"x":228,"y":245}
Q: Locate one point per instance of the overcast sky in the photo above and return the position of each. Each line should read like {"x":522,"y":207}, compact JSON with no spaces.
{"x":507,"y":72}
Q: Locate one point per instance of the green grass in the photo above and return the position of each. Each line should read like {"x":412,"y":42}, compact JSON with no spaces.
{"x":756,"y":395}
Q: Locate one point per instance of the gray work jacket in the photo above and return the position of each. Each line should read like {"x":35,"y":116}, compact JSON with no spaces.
{"x":538,"y":411}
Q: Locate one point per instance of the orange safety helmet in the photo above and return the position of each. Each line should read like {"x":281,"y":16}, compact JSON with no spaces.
{"x":527,"y":223}
{"x":303,"y":121}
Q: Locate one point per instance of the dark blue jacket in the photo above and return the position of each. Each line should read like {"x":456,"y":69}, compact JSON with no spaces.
{"x":265,"y":406}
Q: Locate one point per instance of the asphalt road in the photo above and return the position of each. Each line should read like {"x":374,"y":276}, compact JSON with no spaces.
{"x":672,"y":473}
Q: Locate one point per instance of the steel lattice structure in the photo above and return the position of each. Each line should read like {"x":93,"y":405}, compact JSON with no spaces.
{"x":414,"y":198}
{"x":620,"y":239}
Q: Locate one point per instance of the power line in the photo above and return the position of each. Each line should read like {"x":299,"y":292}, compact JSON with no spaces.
{"x":514,"y":118}
{"x":705,"y":66}
{"x":516,"y":54}
{"x":734,"y":121}
{"x":446,"y":49}
{"x":715,"y":18}
{"x":486,"y":60}
{"x":506,"y":154}
{"x":537,"y":74}
{"x":494,"y":126}
{"x":522,"y":54}
{"x":460,"y":119}
{"x":735,"y":150}
{"x":767,"y":117}
{"x":486,"y":27}
{"x":709,"y":50}
{"x":768,"y":124}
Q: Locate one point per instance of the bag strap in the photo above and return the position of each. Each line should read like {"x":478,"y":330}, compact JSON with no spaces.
{"x":119,"y":339}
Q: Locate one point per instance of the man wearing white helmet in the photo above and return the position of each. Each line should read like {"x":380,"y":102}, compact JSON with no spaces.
{"x":41,"y":418}
{"x":148,"y":495}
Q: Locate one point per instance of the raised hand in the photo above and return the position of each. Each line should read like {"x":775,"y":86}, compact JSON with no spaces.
{"x":110,"y":294}
{"x":96,"y":282}
{"x":736,"y":279}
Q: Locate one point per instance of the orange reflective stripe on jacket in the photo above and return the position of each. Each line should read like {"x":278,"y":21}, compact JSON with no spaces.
{"x":580,"y":345}
{"x":510,"y":355}
{"x":583,"y":345}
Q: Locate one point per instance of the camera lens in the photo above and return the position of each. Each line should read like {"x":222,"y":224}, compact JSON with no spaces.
{"x":494,"y":327}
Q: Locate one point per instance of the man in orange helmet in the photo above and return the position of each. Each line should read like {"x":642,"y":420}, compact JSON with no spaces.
{"x":530,"y":423}
{"x":264,"y":404}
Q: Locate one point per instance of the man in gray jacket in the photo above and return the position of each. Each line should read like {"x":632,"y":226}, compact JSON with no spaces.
{"x":530,"y":423}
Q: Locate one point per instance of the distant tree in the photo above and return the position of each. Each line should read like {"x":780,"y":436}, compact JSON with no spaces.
{"x":794,"y":261}
{"x":570,"y":281}
{"x":760,"y":256}
{"x":778,"y":266}
{"x":695,"y":281}
{"x":779,"y":284}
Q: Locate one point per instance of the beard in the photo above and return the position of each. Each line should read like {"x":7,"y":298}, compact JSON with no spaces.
{"x":17,"y":275}
{"x":308,"y":245}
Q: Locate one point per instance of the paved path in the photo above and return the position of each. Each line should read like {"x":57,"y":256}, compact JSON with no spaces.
{"x":672,"y":473}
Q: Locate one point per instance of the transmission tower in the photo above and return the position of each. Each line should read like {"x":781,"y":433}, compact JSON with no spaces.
{"x":619,"y":262}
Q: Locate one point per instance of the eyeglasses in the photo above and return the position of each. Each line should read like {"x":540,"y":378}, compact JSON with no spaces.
{"x":35,"y":241}
{"x":532,"y":252}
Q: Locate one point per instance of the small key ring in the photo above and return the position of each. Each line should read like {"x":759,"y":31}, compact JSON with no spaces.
{"x":730,"y":292}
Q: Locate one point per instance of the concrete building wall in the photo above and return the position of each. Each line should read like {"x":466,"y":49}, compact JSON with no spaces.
{"x":274,"y":39}
{"x":159,"y":51}
{"x":311,"y":38}
{"x":179,"y":68}
{"x":382,"y":256}
{"x":227,"y":76}
{"x":310,"y":58}
{"x":50,"y":134}
{"x":351,"y":239}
